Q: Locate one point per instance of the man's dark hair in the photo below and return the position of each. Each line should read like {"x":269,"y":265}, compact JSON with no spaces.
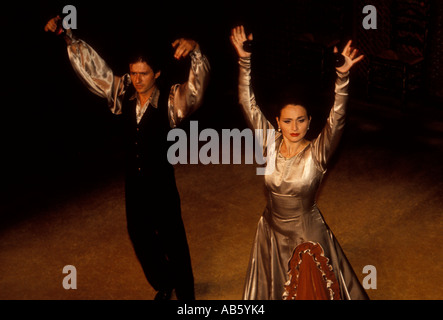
{"x":150,"y":49}
{"x":151,"y":57}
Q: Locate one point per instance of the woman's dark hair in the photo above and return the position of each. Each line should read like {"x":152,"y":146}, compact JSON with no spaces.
{"x":290,"y":95}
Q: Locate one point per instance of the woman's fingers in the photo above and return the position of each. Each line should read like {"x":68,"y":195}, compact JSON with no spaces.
{"x":238,"y":33}
{"x":358,"y":59}
{"x":347,"y":49}
{"x":353,"y":54}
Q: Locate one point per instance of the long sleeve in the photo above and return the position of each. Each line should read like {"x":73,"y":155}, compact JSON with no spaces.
{"x":254,"y":116}
{"x":187,"y":97}
{"x":251,"y":110}
{"x":95,"y":73}
{"x":326,"y":142}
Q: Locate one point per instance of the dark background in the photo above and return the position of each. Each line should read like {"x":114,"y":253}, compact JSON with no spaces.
{"x":53,"y":127}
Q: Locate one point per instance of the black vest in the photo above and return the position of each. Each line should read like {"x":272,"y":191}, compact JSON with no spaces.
{"x":146,"y":142}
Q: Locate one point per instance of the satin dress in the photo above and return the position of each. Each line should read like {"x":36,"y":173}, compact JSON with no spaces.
{"x":294,"y":252}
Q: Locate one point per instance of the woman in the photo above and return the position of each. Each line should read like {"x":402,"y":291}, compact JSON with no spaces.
{"x":295,"y":255}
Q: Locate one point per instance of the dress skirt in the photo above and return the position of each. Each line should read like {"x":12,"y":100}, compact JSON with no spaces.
{"x":320,"y":269}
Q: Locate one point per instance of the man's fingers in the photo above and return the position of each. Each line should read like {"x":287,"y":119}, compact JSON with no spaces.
{"x":181,"y":52}
{"x":178,"y":52}
{"x":52,"y":24}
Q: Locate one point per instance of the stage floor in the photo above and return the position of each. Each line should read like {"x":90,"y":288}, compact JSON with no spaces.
{"x":382,"y":198}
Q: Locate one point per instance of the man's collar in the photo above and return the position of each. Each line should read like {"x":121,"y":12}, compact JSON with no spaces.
{"x":153,"y":99}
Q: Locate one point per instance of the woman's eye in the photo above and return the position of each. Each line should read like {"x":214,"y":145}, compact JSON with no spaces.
{"x":301,"y":120}
{"x":287,"y":121}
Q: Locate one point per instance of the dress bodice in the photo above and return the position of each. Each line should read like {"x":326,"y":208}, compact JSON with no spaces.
{"x":296,"y":178}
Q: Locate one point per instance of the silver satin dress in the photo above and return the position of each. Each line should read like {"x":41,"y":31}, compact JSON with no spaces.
{"x":291,"y":216}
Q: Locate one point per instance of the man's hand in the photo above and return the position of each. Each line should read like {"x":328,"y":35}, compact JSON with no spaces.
{"x":52,"y":24}
{"x":238,"y":37}
{"x":350,"y":59}
{"x":183,"y":47}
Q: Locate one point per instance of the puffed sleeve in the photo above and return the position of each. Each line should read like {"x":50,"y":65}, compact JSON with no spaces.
{"x":95,"y":73}
{"x":187,"y":97}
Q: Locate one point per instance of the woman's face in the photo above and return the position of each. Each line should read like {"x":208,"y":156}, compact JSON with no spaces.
{"x":293,"y":122}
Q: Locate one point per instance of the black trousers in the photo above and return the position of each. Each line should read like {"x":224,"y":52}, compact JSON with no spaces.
{"x":156,"y":229}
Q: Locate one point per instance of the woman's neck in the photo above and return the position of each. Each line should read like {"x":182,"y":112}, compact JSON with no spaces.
{"x":289,"y":149}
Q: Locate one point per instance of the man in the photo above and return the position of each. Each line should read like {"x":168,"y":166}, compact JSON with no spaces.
{"x":149,"y":110}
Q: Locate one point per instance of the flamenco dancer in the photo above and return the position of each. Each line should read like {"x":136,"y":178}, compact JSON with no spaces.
{"x":295,"y":255}
{"x":149,"y":109}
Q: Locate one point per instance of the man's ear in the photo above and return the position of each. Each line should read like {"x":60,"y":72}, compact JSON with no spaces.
{"x":157,"y":74}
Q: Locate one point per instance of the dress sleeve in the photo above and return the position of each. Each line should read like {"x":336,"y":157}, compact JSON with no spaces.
{"x":187,"y":97}
{"x":326,"y":142}
{"x":251,"y":110}
{"x":254,"y":116}
{"x":95,"y":73}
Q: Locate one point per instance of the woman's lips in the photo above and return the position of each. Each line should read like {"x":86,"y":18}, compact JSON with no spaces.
{"x":295,"y":134}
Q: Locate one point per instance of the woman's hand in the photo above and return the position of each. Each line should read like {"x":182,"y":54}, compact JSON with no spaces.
{"x":183,"y":47}
{"x":350,"y":57}
{"x":238,"y":37}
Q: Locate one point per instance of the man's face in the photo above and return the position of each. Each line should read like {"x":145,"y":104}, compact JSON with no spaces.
{"x":142,"y":77}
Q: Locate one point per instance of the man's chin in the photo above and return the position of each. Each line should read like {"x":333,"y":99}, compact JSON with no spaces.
{"x":139,"y":89}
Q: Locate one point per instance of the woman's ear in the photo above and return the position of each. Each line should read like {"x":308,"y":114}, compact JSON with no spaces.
{"x":278,"y":123}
